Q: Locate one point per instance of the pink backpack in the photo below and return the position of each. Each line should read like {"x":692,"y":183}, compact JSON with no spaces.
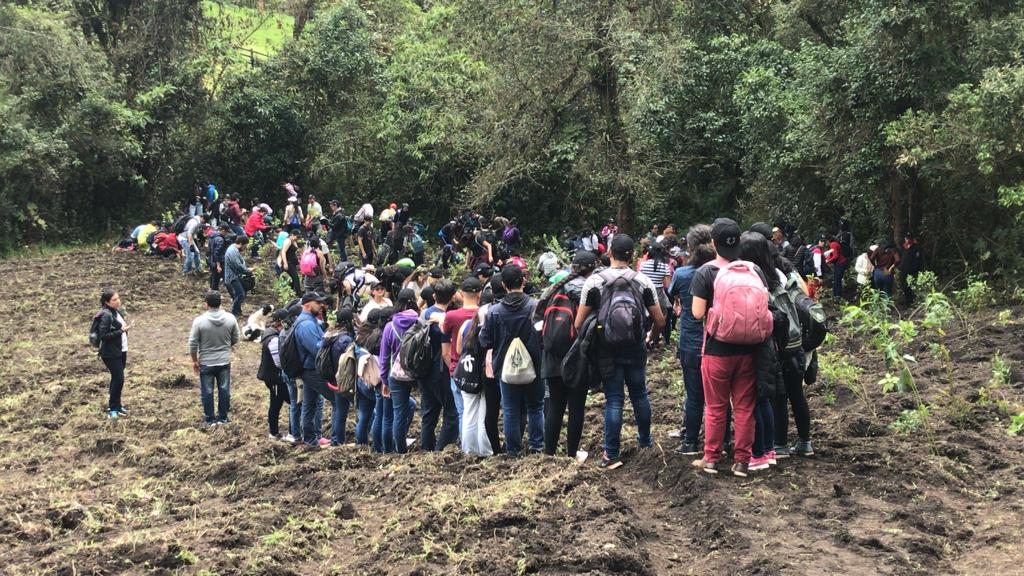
{"x":740,"y":313}
{"x":309,"y":262}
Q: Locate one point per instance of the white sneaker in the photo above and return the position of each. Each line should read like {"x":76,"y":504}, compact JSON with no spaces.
{"x":675,"y":434}
{"x":272,"y":437}
{"x":581,"y":456}
{"x":288,"y":438}
{"x":410,"y":441}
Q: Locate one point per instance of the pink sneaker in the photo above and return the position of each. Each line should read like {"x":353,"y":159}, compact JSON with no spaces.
{"x":325,"y":442}
{"x":758,"y":463}
{"x":771,"y":458}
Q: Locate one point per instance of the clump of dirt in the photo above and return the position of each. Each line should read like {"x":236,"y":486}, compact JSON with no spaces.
{"x":158,"y":492}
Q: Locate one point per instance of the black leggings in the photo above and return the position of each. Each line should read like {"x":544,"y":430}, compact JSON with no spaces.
{"x":293,"y":273}
{"x":116,"y":367}
{"x":793,"y":375}
{"x":560,"y":397}
{"x":278,"y":397}
{"x":492,"y":395}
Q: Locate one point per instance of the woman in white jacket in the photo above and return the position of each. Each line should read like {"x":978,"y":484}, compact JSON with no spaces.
{"x":864,"y":268}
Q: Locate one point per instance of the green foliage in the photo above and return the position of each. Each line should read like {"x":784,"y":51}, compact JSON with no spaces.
{"x":1000,"y":371}
{"x":975,"y":296}
{"x":1016,"y":424}
{"x":912,"y":420}
{"x":834,"y":370}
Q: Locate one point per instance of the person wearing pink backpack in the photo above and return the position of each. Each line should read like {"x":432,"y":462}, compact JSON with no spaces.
{"x":731,"y":296}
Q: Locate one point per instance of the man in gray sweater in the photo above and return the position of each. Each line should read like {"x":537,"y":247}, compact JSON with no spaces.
{"x":213,"y":335}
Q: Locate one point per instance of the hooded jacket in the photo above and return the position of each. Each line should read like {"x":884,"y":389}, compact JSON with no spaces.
{"x":510,"y":318}
{"x":213,"y":334}
{"x":392,"y":338}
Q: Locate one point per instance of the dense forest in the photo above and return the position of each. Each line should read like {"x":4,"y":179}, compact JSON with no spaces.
{"x":899,"y":115}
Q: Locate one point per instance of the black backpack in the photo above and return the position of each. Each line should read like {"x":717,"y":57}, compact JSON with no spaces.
{"x":94,"y":329}
{"x":325,"y":364}
{"x":291,"y":359}
{"x":469,"y":371}
{"x":620,"y":319}
{"x":846,"y":245}
{"x":559,"y":329}
{"x":180,"y":223}
{"x":414,"y":351}
{"x":807,"y":265}
{"x":813,"y":322}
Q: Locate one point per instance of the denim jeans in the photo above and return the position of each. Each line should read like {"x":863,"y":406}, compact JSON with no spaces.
{"x":457,"y":394}
{"x":237,"y":296}
{"x":313,"y":388}
{"x":339,"y":417}
{"x":513,"y":398}
{"x":693,"y":406}
{"x":116,"y":367}
{"x":381,"y":427}
{"x":401,"y":392}
{"x":837,"y":278}
{"x":255,"y":244}
{"x":631,"y":376}
{"x":215,"y":276}
{"x":365,"y":402}
{"x":191,"y":256}
{"x":883,"y":281}
{"x":294,"y":406}
{"x":764,"y":428}
{"x":437,"y":401}
{"x":237,"y":230}
{"x":341,"y":250}
{"x":208,"y":375}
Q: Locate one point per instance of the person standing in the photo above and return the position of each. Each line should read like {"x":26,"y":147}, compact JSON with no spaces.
{"x":313,"y":214}
{"x":214,"y":334}
{"x":624,"y":349}
{"x":112,"y":336}
{"x":255,"y":226}
{"x":885,"y":259}
{"x":910,"y":266}
{"x":437,"y":399}
{"x":269,"y":372}
{"x":234,"y":269}
{"x":216,"y":246}
{"x":187,"y":240}
{"x":366,"y":242}
{"x":309,"y":334}
{"x":506,"y":321}
{"x":341,"y":227}
{"x":452,"y":327}
{"x":396,"y":383}
{"x":288,"y":259}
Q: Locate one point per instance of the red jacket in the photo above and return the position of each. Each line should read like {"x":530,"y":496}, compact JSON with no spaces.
{"x":836,"y":254}
{"x":255,"y":223}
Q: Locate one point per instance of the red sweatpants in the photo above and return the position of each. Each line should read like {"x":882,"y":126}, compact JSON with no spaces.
{"x":725,"y":377}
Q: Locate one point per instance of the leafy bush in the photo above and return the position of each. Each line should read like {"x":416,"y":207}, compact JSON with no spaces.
{"x":911,"y":420}
{"x":975,"y":296}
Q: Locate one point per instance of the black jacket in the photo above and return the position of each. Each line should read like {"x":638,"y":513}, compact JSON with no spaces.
{"x":511,"y":317}
{"x":268,"y":372}
{"x":110,"y":333}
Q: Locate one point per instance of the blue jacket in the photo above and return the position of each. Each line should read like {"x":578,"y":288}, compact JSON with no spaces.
{"x":308,"y":335}
{"x":691,"y":330}
{"x":215,"y":248}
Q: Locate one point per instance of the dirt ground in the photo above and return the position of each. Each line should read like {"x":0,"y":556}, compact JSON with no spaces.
{"x":158,"y":493}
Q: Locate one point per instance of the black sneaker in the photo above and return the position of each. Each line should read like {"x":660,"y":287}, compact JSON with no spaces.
{"x":607,"y":463}
{"x":689,"y":449}
{"x":740,"y":469}
{"x":802,"y":448}
{"x":781,"y":452}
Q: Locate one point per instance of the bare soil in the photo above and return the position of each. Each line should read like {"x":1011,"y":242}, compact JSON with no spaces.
{"x":158,"y":493}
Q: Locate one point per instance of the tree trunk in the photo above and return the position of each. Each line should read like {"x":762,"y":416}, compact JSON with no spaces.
{"x":897,"y":199}
{"x":303,"y":13}
{"x":627,"y":215}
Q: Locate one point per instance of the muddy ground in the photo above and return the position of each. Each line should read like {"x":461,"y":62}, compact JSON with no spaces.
{"x":158,"y":493}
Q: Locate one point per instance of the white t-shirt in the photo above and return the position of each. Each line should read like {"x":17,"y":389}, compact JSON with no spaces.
{"x":124,"y":335}
{"x":371,"y":306}
{"x":590,"y":242}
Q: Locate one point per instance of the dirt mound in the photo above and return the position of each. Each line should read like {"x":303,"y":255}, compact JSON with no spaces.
{"x":157,"y":492}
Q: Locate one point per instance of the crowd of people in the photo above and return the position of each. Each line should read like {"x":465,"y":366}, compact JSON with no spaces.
{"x":497,"y":358}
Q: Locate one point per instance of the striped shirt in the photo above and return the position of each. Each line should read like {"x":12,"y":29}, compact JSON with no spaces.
{"x":656,"y":271}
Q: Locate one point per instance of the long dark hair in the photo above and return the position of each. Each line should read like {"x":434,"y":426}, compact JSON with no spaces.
{"x":754,"y":247}
{"x":106,"y":296}
{"x":700,"y":255}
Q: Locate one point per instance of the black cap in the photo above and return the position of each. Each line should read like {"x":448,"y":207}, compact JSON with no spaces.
{"x":344,"y":316}
{"x":622,"y":247}
{"x":584,"y":258}
{"x":313,"y":297}
{"x":279,"y":315}
{"x":726,"y":234}
{"x":427,"y":294}
{"x":483,"y":269}
{"x":436,"y":272}
{"x":762,"y":228}
{"x":471,"y":284}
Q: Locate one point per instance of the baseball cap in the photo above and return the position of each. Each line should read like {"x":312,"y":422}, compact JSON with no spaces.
{"x":622,"y":247}
{"x":436,"y":272}
{"x":427,"y":294}
{"x":726,"y":234}
{"x":483,"y":269}
{"x":471,"y":284}
{"x":313,"y":297}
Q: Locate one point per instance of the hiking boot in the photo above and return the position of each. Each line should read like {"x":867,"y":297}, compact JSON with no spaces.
{"x":740,"y":469}
{"x":772,"y":459}
{"x":756,"y":464}
{"x":781,"y":452}
{"x":704,"y":465}
{"x":607,"y":463}
{"x":802,"y":448}
{"x":689,"y":449}
{"x":112,"y":415}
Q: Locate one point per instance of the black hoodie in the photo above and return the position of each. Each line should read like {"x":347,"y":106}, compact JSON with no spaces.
{"x":511,"y":317}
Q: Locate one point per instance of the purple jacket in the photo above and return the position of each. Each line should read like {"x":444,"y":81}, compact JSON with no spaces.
{"x":392,"y":337}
